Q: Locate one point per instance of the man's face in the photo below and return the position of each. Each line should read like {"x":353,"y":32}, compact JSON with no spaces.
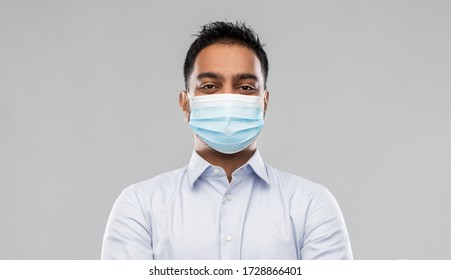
{"x":225,"y":68}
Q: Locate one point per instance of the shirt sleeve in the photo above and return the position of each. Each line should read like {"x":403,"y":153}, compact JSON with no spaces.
{"x":127,"y":234}
{"x":325,"y":235}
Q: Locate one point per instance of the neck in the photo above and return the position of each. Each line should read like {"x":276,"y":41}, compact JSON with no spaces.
{"x":229,"y":162}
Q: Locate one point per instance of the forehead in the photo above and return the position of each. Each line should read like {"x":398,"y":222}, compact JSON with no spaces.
{"x":227,"y":59}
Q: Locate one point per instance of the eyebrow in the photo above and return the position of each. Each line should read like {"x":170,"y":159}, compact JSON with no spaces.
{"x":213,"y":75}
{"x":245,"y":76}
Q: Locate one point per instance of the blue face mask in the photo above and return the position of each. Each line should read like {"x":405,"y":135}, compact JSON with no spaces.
{"x":228,"y":123}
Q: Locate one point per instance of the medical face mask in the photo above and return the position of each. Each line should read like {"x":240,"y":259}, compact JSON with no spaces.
{"x":228,"y":123}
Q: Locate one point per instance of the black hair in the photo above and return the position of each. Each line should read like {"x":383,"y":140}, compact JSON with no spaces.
{"x":225,"y":33}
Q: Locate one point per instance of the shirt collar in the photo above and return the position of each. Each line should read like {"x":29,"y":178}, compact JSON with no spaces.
{"x":197,"y":166}
{"x":257,"y":164}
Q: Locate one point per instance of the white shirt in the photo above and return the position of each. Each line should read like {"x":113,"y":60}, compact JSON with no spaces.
{"x":195,"y":213}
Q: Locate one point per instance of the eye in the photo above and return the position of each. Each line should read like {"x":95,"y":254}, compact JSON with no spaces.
{"x":208,"y":86}
{"x":247,"y":88}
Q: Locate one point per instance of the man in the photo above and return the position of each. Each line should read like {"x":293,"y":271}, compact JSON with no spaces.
{"x":226,"y":203}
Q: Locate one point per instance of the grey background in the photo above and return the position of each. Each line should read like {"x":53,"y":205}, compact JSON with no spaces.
{"x":360,"y":102}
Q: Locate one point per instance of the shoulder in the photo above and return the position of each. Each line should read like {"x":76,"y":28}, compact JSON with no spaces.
{"x":294,"y":184}
{"x":162,"y":184}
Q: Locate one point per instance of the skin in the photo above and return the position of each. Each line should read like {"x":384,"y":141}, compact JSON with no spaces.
{"x":218,"y":69}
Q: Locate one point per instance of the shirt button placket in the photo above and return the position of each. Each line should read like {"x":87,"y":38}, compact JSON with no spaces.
{"x":229,"y":239}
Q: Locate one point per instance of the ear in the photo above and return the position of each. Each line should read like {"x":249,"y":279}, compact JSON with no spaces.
{"x":265,"y":102}
{"x":184,"y":104}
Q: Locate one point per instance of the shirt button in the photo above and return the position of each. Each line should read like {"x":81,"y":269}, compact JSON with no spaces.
{"x":229,"y":197}
{"x":229,"y":238}
{"x":216,"y":171}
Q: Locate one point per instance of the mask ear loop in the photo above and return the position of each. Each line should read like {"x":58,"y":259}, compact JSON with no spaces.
{"x":262,"y":99}
{"x":189,"y":101}
{"x":262,"y":102}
